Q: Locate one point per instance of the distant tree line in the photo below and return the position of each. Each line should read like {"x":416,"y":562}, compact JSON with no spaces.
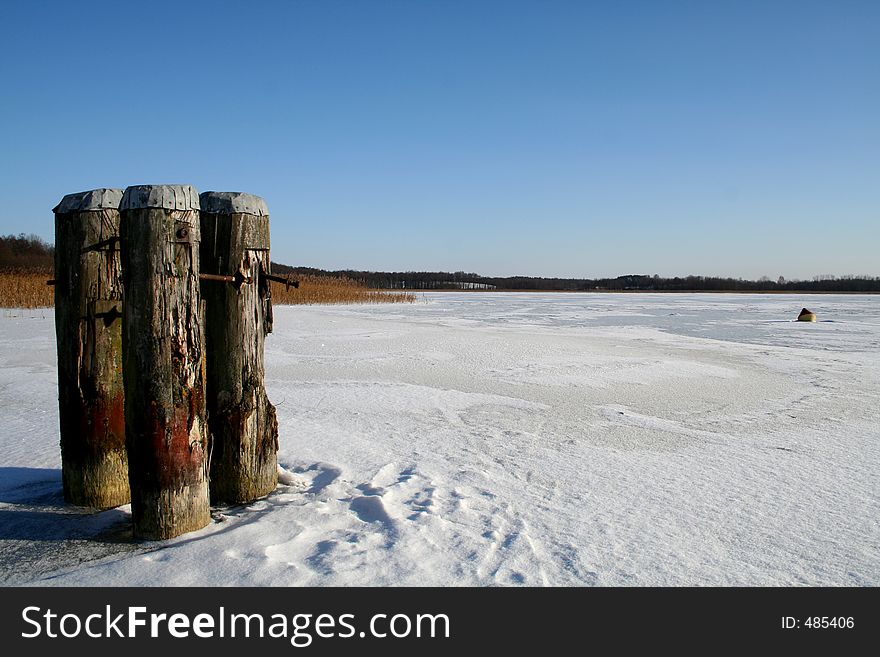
{"x":633,"y":282}
{"x":26,"y":253}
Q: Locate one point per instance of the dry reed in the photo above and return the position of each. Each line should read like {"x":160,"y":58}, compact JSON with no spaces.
{"x":326,"y":290}
{"x":25,"y":289}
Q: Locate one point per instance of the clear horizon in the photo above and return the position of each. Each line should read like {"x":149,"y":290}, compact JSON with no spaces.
{"x":553,"y":139}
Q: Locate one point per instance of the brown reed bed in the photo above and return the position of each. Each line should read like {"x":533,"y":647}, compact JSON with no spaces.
{"x":314,"y":290}
{"x":25,"y":289}
{"x":28,"y":289}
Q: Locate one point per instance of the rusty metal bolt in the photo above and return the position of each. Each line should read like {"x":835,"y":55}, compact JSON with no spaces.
{"x":183,"y":233}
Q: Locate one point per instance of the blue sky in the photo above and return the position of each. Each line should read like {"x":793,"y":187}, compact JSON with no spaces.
{"x":542,"y":138}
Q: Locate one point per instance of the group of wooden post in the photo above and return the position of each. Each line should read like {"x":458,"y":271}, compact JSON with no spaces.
{"x":162,"y":308}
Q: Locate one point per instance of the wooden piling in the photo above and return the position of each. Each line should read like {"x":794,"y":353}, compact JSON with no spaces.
{"x":242,"y":422}
{"x":88,"y":305}
{"x":162,"y":345}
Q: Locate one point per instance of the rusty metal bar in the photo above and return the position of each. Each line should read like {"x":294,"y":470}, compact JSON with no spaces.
{"x":238,"y":279}
{"x":110,"y":243}
{"x":217,"y":277}
{"x":286,"y":280}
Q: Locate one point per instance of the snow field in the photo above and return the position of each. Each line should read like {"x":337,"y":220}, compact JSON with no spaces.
{"x":508,"y":439}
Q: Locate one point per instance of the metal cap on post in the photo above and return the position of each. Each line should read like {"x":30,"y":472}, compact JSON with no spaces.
{"x":168,"y":197}
{"x":243,"y":425}
{"x":233,"y":203}
{"x":163,"y":347}
{"x":88,"y":300}
{"x":103,"y":198}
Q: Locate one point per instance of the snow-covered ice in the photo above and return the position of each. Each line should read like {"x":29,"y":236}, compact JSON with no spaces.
{"x":483,"y":439}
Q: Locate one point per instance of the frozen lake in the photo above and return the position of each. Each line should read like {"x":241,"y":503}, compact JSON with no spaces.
{"x":483,"y":439}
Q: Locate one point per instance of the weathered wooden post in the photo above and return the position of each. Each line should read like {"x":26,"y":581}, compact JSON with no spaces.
{"x":88,"y":305}
{"x":244,"y":430}
{"x":162,"y":346}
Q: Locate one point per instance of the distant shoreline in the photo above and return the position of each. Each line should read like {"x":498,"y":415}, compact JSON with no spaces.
{"x":414,"y":281}
{"x":767,"y":292}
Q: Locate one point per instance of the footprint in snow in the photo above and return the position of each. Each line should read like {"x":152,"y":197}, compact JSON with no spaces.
{"x":313,"y":478}
{"x":288,"y":478}
{"x":370,"y":508}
